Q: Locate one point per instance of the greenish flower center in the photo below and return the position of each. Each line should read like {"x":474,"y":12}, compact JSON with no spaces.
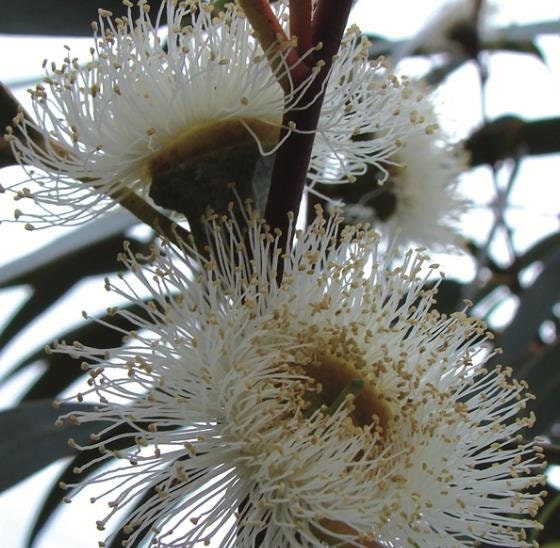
{"x":337,"y":379}
{"x":194,"y":170}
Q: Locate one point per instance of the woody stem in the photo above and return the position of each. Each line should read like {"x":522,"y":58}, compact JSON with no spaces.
{"x":292,"y":159}
{"x":300,"y":24}
{"x":275,"y":43}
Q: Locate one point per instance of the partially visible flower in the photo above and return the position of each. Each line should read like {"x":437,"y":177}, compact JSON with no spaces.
{"x":337,"y":408}
{"x":454,"y":28}
{"x":419,"y":203}
{"x":170,"y":118}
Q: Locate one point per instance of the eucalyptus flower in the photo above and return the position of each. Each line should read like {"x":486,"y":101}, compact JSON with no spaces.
{"x":420,"y":202}
{"x":175,"y":114}
{"x":336,"y":407}
{"x":454,"y":29}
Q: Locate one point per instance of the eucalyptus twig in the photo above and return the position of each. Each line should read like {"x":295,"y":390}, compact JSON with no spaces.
{"x":162,"y":224}
{"x":501,"y":195}
{"x":292,"y":159}
{"x":324,"y":33}
{"x":483,"y":256}
{"x":274,"y":42}
{"x":300,"y":24}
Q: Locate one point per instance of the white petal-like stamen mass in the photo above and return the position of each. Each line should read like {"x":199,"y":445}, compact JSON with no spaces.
{"x":336,"y":408}
{"x":143,"y":100}
{"x":427,"y":205}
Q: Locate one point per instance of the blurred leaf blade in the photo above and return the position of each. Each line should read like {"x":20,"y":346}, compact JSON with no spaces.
{"x":62,"y":370}
{"x":539,"y":251}
{"x":119,"y":539}
{"x":438,"y":74}
{"x":449,"y":293}
{"x":9,"y":108}
{"x":54,"y":279}
{"x":551,"y":508}
{"x":22,"y":270}
{"x":542,"y":373}
{"x":517,"y":38}
{"x":56,"y":495}
{"x":55,"y":17}
{"x":31,"y":441}
{"x":535,"y":306}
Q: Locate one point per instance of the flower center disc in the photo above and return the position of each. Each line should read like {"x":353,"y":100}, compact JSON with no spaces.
{"x":193,"y":171}
{"x":338,"y":378}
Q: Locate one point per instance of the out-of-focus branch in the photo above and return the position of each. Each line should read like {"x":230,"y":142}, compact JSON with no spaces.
{"x":497,"y":39}
{"x":504,"y":137}
{"x":162,"y":224}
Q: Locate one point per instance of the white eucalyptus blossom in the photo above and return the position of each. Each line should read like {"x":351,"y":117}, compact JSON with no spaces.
{"x":452,"y":29}
{"x":420,"y":202}
{"x":337,"y":407}
{"x":145,"y":106}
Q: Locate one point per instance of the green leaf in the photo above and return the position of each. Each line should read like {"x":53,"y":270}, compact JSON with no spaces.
{"x":550,"y":510}
{"x":539,"y":251}
{"x":542,"y":373}
{"x":449,"y":296}
{"x":31,"y":441}
{"x":514,"y":46}
{"x":62,"y":369}
{"x":55,"y":17}
{"x":56,"y":495}
{"x":9,"y":108}
{"x":515,"y":38}
{"x":535,"y":307}
{"x":98,"y":257}
{"x":26,"y":270}
{"x":438,"y":74}
{"x":52,"y":280}
{"x":120,"y":538}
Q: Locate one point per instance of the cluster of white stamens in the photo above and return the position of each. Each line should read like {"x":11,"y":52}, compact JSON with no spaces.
{"x":142,"y":96}
{"x":337,"y":407}
{"x":425,"y":206}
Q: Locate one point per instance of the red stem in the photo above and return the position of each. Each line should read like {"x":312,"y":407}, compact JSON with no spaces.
{"x":300,"y":24}
{"x":328,"y":26}
{"x":272,"y":37}
{"x":292,"y":159}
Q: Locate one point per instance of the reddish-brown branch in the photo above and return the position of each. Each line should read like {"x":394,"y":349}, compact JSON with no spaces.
{"x":300,"y":24}
{"x":328,"y":26}
{"x":273,"y":40}
{"x":292,"y":159}
{"x":264,"y":22}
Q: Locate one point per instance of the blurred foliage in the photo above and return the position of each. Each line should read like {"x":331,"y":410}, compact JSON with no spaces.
{"x":55,"y":17}
{"x":510,"y":136}
{"x":9,"y":108}
{"x":29,"y":440}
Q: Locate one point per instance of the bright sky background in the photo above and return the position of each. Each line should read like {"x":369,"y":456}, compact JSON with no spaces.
{"x":518,"y":84}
